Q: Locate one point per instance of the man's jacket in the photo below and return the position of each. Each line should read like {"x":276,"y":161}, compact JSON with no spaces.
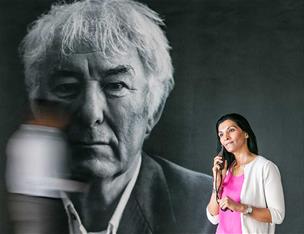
{"x":167,"y":199}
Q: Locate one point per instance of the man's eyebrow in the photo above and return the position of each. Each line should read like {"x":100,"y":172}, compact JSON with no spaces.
{"x":121,"y":69}
{"x":64,"y":73}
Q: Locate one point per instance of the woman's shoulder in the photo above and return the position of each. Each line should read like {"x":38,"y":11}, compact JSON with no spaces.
{"x":261,"y":160}
{"x":264,"y":163}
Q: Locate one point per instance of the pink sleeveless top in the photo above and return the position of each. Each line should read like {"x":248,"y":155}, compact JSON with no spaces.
{"x":230,"y":222}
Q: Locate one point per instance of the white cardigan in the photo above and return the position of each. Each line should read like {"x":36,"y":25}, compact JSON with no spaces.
{"x":262,"y":188}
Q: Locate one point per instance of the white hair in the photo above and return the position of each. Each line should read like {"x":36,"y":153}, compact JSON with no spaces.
{"x":109,"y":26}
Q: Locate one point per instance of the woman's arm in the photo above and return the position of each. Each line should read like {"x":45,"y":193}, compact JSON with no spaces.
{"x":274,"y":193}
{"x":213,"y":206}
{"x":218,"y":177}
{"x":259,"y":214}
{"x":275,"y":211}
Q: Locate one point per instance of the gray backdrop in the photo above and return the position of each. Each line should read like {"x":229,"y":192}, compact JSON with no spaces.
{"x":229,"y":56}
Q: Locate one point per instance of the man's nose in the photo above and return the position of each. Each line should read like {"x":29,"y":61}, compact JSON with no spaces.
{"x":93,"y":105}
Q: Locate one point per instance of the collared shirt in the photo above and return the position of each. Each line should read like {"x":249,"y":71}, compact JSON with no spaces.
{"x":75,"y":225}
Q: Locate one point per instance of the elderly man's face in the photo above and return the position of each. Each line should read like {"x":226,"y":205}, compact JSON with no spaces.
{"x":107,"y":99}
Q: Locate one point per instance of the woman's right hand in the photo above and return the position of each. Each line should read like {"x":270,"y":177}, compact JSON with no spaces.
{"x":217,"y":172}
{"x":213,"y":206}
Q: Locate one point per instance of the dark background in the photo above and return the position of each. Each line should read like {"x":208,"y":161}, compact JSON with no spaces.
{"x":229,"y":56}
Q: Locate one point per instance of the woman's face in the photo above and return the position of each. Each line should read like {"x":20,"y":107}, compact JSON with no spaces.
{"x":232,"y":137}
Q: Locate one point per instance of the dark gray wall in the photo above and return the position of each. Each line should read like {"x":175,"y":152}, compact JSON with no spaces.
{"x":229,"y":56}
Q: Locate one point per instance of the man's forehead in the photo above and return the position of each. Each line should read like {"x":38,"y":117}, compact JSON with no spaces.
{"x":86,"y":59}
{"x":57,"y":50}
{"x":57,"y":58}
{"x":90,"y":42}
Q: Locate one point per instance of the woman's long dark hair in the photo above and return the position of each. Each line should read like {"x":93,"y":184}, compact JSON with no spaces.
{"x":245,"y":126}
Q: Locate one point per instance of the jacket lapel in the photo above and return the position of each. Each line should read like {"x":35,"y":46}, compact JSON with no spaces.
{"x":149,"y":208}
{"x":133,"y":221}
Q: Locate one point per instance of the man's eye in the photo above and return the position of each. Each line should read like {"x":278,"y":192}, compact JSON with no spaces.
{"x":66,"y":90}
{"x":115,"y":86}
{"x":117,"y":89}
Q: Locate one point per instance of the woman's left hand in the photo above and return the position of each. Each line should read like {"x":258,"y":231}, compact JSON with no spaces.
{"x":227,"y":202}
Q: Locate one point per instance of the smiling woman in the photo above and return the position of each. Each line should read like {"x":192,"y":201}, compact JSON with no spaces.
{"x":248,"y":195}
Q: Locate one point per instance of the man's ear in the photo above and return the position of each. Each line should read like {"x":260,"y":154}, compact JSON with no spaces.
{"x":154,"y":117}
{"x":160,"y":90}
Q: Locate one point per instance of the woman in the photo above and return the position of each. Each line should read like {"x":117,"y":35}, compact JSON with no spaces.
{"x":247,"y":193}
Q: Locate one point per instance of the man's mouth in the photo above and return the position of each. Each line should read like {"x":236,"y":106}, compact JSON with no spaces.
{"x":90,"y":143}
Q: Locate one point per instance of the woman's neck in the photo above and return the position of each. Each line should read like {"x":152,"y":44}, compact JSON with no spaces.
{"x":242,"y":158}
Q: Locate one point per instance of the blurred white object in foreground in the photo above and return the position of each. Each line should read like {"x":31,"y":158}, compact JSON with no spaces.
{"x":37,"y":163}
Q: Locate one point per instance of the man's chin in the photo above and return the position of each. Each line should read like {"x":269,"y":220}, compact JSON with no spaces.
{"x":93,"y":169}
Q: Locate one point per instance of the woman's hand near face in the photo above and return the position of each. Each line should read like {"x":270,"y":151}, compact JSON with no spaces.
{"x":217,"y":173}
